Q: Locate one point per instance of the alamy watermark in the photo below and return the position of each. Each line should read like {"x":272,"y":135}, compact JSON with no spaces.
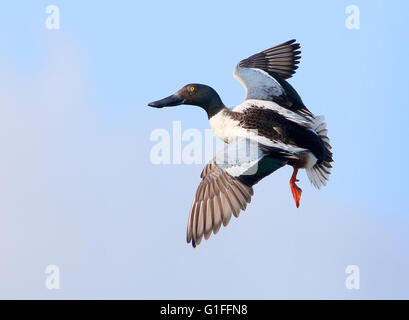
{"x":191,"y":146}
{"x":353,"y":280}
{"x":352,"y":21}
{"x":52,"y":281}
{"x":52,"y":22}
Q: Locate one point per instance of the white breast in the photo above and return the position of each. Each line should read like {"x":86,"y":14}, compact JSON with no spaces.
{"x":224,"y":127}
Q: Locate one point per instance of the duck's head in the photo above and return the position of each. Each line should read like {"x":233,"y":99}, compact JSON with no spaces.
{"x":193,"y":94}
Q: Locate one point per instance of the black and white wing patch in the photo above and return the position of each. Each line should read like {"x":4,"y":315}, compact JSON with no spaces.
{"x":280,"y":60}
{"x":263,"y":76}
{"x":226,"y":188}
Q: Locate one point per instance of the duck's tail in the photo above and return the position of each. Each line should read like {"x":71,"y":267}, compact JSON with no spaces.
{"x":319,"y":173}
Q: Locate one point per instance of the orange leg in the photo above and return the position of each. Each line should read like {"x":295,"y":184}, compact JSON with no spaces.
{"x":294,"y":188}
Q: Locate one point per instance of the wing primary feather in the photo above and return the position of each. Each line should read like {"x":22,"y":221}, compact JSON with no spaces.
{"x":269,"y":60}
{"x":209,"y":219}
{"x":190,"y":223}
{"x":217,"y":215}
{"x":201,"y":222}
{"x":226,"y":210}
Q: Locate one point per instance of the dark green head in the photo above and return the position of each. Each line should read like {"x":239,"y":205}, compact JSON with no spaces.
{"x":193,"y":94}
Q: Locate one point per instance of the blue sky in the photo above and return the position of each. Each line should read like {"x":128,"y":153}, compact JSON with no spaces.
{"x":79,"y":191}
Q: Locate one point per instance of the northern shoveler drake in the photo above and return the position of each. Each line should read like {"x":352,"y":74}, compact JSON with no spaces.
{"x":272,"y":113}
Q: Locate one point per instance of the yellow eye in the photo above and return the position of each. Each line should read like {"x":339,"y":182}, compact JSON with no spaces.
{"x":192,"y":89}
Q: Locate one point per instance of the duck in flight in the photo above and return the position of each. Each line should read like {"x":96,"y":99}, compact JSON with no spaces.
{"x":272,"y":114}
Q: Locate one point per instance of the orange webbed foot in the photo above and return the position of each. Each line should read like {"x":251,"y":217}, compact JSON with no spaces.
{"x":296,"y":191}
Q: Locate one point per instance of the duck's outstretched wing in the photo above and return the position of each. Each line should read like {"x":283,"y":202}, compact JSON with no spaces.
{"x":279,"y":60}
{"x":226,"y":186}
{"x":264,"y":73}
